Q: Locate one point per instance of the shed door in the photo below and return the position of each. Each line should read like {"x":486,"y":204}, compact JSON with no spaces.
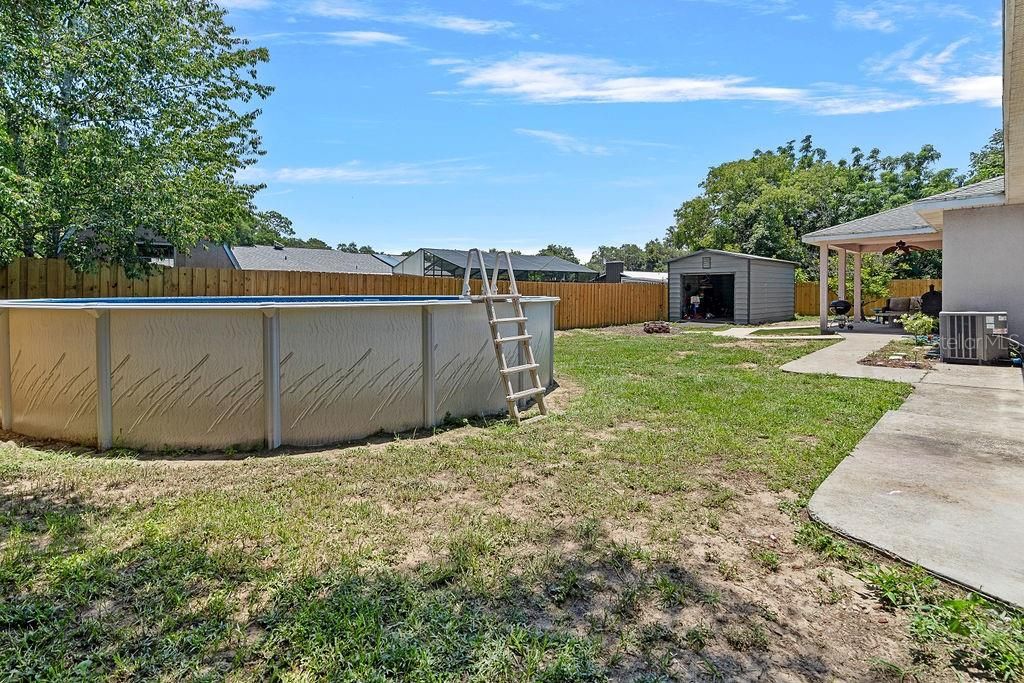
{"x":717,"y":292}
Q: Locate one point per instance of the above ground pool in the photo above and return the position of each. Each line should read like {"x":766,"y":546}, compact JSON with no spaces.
{"x":217,"y":372}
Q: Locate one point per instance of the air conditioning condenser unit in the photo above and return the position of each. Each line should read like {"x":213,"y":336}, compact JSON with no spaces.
{"x":973,"y":336}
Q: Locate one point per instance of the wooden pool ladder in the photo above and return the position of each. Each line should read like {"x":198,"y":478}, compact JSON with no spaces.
{"x":489,"y":295}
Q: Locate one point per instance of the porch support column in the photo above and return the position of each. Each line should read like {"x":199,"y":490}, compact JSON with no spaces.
{"x":858,"y":301}
{"x":823,"y":288}
{"x":841,"y":273}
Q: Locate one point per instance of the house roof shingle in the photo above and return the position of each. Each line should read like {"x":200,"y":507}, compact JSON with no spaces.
{"x":309,"y":260}
{"x":520,"y":262}
{"x":993,"y":187}
{"x":906,"y":219}
{"x":900,"y":218}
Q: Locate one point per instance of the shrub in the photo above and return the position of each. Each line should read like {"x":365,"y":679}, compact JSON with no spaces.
{"x":918,"y":324}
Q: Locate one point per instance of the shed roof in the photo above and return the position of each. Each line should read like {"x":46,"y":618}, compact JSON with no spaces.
{"x":520,"y":262}
{"x":737,"y":254}
{"x":309,"y":260}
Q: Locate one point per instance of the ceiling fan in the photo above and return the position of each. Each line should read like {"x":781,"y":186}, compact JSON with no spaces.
{"x":902,"y":248}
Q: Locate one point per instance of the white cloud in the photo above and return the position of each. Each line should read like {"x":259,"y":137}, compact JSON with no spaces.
{"x":450,"y":22}
{"x":886,"y":15}
{"x":551,"y":78}
{"x":338,"y":9}
{"x":560,"y":79}
{"x":366,"y":38}
{"x":549,"y":5}
{"x":836,"y":100}
{"x":564,"y":143}
{"x":756,"y":6}
{"x":946,"y":75}
{"x":351,"y":9}
{"x":865,"y":18}
{"x":358,"y":173}
{"x":987,"y":90}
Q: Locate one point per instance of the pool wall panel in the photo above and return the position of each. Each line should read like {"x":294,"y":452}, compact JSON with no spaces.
{"x":190,"y":374}
{"x":53,"y":374}
{"x":465,"y":366}
{"x":347,"y":374}
{"x":187,"y":379}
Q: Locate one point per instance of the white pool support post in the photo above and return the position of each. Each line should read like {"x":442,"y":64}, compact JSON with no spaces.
{"x":104,"y":383}
{"x":272,"y":377}
{"x":858,"y":299}
{"x":428,"y":369}
{"x":6,"y":394}
{"x":823,"y":287}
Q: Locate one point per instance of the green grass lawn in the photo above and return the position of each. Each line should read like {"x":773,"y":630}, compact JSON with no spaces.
{"x":645,"y":532}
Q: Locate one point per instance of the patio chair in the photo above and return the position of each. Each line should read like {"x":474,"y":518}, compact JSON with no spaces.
{"x":897,"y":307}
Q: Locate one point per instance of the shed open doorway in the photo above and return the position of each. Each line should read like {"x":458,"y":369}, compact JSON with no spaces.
{"x":717,"y":295}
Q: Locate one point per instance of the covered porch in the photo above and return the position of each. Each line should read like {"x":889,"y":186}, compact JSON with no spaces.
{"x":900,"y":228}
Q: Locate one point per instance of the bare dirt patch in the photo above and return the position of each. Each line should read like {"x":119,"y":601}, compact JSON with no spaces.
{"x":901,"y":353}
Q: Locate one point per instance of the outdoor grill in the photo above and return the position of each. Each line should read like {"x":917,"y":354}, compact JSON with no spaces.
{"x":840,"y":312}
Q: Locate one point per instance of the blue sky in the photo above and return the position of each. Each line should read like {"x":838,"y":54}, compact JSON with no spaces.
{"x":521,"y":123}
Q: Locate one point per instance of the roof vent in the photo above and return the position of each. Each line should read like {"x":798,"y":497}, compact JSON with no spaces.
{"x":278,"y":246}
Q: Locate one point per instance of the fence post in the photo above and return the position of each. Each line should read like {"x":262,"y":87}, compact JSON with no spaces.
{"x":272,"y":377}
{"x":6,"y":395}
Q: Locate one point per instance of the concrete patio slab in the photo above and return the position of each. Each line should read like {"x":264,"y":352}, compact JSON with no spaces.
{"x":841,"y":359}
{"x":940,"y":482}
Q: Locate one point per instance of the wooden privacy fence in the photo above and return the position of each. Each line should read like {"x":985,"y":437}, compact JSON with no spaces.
{"x":807,"y":294}
{"x":582,"y":304}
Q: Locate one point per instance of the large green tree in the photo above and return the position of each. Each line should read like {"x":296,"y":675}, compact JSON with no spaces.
{"x":559,"y":251}
{"x":652,"y":257}
{"x":989,"y":161}
{"x":764,"y":205}
{"x":120,"y":119}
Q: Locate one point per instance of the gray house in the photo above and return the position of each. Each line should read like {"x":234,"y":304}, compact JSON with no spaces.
{"x":738,"y":287}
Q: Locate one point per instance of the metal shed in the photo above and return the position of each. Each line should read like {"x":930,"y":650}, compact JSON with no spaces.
{"x":733,"y":287}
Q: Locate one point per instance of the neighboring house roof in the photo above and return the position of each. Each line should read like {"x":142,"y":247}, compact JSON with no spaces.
{"x":390,"y":259}
{"x":644,"y":276}
{"x":730,"y":253}
{"x":309,"y":260}
{"x":899,"y":221}
{"x":520,"y":262}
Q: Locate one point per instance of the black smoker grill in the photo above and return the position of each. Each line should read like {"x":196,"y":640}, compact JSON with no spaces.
{"x":840,"y":312}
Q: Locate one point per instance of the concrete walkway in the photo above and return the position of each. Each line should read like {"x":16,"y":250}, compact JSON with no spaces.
{"x":939,"y":482}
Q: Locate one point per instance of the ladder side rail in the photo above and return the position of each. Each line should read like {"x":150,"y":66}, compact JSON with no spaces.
{"x":466,"y":290}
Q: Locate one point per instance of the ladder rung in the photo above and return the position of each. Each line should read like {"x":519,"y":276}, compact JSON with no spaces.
{"x":526,"y":393}
{"x":499,"y":321}
{"x":516,"y":338}
{"x":520,"y":368}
